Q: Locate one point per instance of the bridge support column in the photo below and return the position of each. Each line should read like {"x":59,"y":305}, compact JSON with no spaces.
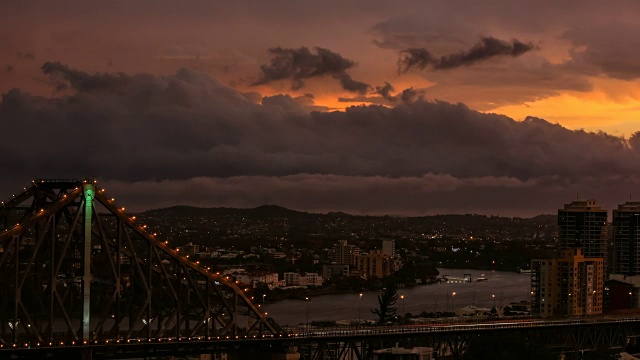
{"x":89,"y":194}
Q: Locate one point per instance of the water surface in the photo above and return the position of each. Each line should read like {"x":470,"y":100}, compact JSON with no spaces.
{"x":500,"y":289}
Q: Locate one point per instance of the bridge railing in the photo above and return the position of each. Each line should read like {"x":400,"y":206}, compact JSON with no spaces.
{"x":344,"y":332}
{"x":448,"y":326}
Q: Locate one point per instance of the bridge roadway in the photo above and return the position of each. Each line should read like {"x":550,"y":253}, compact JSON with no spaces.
{"x":311,"y":336}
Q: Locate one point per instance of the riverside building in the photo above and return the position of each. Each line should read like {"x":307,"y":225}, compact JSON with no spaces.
{"x":568,"y":285}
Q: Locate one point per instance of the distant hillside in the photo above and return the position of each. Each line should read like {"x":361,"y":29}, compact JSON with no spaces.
{"x":275,"y":211}
{"x":264,"y":211}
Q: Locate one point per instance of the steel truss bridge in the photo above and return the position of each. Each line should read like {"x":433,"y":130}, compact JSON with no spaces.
{"x":76,"y":269}
{"x":80,"y":278}
{"x":351,"y":343}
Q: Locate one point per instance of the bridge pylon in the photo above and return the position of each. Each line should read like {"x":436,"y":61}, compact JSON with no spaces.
{"x":76,"y":267}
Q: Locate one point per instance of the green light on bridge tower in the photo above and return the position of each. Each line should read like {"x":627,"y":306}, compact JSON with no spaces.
{"x":89,"y":194}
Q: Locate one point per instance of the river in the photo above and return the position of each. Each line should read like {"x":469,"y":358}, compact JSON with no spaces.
{"x":500,"y":289}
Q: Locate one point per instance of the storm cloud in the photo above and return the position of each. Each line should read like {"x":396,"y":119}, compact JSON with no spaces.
{"x":177,"y":131}
{"x":486,"y":48}
{"x":301,"y":64}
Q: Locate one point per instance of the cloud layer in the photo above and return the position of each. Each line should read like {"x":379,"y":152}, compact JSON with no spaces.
{"x":142,"y":131}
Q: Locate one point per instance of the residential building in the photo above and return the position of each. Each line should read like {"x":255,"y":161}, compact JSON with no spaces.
{"x":302,"y":279}
{"x":190,"y":249}
{"x":375,"y":263}
{"x":344,"y":254}
{"x":568,"y":285}
{"x":331,"y":270}
{"x":270,"y":279}
{"x":583,"y":224}
{"x":626,"y":239}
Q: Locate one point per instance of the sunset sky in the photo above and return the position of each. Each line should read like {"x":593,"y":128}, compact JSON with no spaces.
{"x":365,"y":106}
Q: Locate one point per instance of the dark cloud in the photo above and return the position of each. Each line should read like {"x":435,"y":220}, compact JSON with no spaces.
{"x":170,"y":131}
{"x":385,"y":91}
{"x":301,"y":64}
{"x":488,"y":47}
{"x":383,"y":95}
{"x":352,"y":85}
{"x":634,"y":141}
{"x":410,"y":95}
{"x":64,"y":77}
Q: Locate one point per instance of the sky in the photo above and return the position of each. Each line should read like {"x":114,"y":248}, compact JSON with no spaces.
{"x":407,"y":107}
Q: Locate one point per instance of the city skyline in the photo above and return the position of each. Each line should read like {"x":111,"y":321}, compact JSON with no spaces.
{"x":410,"y":108}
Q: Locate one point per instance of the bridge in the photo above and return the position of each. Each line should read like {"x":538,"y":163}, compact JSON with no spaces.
{"x":76,"y":269}
{"x":82,"y":278}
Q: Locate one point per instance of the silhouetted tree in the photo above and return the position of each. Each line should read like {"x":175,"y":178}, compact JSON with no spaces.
{"x":386,"y":303}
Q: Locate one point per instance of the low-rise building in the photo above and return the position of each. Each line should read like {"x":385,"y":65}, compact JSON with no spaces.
{"x":252,"y":279}
{"x":622,"y":292}
{"x":374,"y":264}
{"x":302,"y":279}
{"x":331,"y":270}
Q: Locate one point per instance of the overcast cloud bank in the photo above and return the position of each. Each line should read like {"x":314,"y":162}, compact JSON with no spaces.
{"x":155,"y":138}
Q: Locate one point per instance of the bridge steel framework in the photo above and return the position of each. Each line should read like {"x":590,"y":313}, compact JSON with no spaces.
{"x":450,"y":341}
{"x":454,"y":341}
{"x":75,"y":268}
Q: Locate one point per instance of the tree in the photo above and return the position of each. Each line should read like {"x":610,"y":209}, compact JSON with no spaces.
{"x":386,"y":303}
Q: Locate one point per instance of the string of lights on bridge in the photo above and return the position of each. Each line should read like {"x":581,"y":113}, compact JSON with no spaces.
{"x":338,"y":332}
{"x":142,"y":228}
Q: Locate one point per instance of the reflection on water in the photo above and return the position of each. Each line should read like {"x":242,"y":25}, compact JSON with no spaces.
{"x":500,"y":289}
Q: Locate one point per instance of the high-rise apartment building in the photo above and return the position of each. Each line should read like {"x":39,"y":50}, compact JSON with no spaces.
{"x":583,"y":224}
{"x":626,"y":239}
{"x":571,"y":284}
{"x":344,"y":254}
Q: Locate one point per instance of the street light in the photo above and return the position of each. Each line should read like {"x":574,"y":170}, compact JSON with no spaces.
{"x":453,"y":294}
{"x":402,"y":301}
{"x":263,"y":296}
{"x":359,"y":305}
{"x":493,"y":296}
